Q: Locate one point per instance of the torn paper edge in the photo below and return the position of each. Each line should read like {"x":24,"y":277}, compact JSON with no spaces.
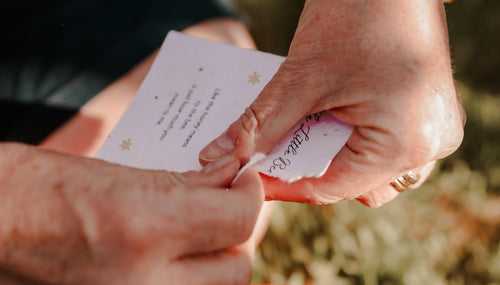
{"x":253,"y":160}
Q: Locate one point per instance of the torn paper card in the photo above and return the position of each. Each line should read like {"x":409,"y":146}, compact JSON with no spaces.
{"x":307,"y":149}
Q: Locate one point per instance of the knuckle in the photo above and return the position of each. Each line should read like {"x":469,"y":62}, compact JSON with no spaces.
{"x":254,"y":125}
{"x":420,"y":150}
{"x":422,"y":146}
{"x":164,"y":179}
{"x":434,"y":139}
{"x":412,"y":142}
{"x":246,"y":130}
{"x":250,"y":120}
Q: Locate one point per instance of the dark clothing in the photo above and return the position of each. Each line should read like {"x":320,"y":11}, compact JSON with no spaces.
{"x":57,"y":54}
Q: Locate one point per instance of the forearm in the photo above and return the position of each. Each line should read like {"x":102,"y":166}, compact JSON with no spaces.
{"x":365,"y":24}
{"x":39,"y":233}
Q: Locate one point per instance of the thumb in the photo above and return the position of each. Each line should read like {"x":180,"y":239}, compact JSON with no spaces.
{"x":217,"y":173}
{"x":277,"y":108}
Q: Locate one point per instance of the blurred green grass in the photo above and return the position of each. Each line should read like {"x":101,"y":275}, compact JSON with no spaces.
{"x":448,"y":231}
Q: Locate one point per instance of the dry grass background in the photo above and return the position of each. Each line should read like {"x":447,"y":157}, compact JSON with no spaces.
{"x":446,"y":232}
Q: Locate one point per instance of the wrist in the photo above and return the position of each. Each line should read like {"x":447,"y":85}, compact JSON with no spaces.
{"x":39,"y":234}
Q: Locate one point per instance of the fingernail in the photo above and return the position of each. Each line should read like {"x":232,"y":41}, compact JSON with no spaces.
{"x":219,"y":163}
{"x":219,"y":147}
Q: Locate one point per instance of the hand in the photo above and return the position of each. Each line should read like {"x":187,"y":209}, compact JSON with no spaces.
{"x":382,"y":66}
{"x":72,"y":220}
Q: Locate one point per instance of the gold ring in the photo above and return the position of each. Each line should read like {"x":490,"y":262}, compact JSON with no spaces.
{"x":403,"y":182}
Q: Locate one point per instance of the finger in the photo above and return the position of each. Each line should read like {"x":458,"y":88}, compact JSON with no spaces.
{"x":285,"y":99}
{"x":378,"y":197}
{"x":232,"y":266}
{"x":218,"y":173}
{"x":213,"y":219}
{"x":262,"y":223}
{"x":387,"y":193}
{"x":349,"y":176}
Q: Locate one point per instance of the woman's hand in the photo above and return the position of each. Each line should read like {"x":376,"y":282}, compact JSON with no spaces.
{"x":72,"y":220}
{"x":382,"y":66}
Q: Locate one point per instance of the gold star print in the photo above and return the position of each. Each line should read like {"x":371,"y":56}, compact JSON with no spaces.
{"x":253,"y":78}
{"x":126,"y":144}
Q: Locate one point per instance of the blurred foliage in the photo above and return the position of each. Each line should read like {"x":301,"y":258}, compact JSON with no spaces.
{"x":271,"y":22}
{"x":474,"y":27}
{"x":447,"y":232}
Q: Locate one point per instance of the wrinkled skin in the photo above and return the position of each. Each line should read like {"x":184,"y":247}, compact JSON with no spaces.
{"x":380,"y":65}
{"x":73,"y":220}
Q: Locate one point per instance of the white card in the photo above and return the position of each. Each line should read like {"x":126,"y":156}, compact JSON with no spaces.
{"x":193,"y":91}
